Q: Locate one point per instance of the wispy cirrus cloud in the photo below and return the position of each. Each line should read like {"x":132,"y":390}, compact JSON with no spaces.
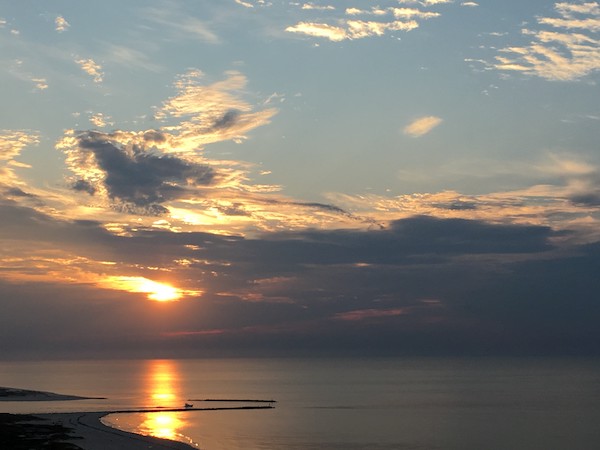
{"x":131,"y":57}
{"x":567,"y":51}
{"x":182,"y":25}
{"x":209,"y":113}
{"x":12,"y":143}
{"x":421,"y":126}
{"x":352,"y":26}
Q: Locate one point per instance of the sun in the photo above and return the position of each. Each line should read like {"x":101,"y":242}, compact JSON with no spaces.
{"x":160,"y":292}
{"x":163,"y":292}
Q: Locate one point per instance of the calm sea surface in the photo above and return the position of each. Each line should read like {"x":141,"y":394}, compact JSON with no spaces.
{"x":450,"y":404}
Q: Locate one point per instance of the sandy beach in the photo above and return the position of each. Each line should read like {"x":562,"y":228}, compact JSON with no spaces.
{"x":92,"y":434}
{"x":68,"y":431}
{"x":73,"y":431}
{"x":85,"y":430}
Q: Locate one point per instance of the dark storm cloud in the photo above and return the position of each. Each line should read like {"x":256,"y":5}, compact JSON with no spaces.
{"x":139,"y":177}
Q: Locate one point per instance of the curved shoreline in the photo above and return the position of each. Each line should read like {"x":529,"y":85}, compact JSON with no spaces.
{"x":98,"y":436}
{"x":90,"y":433}
{"x":86,"y":431}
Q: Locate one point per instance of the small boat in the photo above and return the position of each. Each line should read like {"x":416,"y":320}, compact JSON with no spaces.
{"x":189,"y":405}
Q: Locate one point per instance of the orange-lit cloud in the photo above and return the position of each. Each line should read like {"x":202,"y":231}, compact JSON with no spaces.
{"x":161,"y":292}
{"x":422,"y":126}
{"x":389,"y":20}
{"x":352,"y":29}
{"x":12,"y":143}
{"x":92,"y":68}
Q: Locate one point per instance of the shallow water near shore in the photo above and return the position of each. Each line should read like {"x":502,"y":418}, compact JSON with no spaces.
{"x":419,"y":403}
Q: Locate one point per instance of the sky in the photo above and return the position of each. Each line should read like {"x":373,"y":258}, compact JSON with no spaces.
{"x":340,"y":177}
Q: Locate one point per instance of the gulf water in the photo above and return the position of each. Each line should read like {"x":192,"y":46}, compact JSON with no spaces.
{"x":368,"y":403}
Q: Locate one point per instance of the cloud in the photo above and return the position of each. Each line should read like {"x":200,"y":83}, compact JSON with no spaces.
{"x":366,"y":314}
{"x":469,"y":4}
{"x":133,"y":174}
{"x":41,"y":84}
{"x":61,"y":24}
{"x":100,"y":120}
{"x":408,"y":13}
{"x":333,"y":33}
{"x":559,"y":191}
{"x":425,"y":2}
{"x":569,"y":50}
{"x":181,"y":24}
{"x":353,"y":29}
{"x":318,"y":7}
{"x":92,"y":68}
{"x":12,"y":143}
{"x":211,"y":113}
{"x":16,"y":70}
{"x":423,"y":280}
{"x":130,"y":57}
{"x":245,"y":4}
{"x":422,"y":126}
{"x":343,"y":28}
{"x":571,"y":9}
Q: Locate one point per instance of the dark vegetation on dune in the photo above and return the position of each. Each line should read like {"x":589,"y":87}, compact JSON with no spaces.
{"x":27,"y":432}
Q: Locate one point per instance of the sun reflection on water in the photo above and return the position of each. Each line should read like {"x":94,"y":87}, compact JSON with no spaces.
{"x":166,"y":425}
{"x":163,"y":390}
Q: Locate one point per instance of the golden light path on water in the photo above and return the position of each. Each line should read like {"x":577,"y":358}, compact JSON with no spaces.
{"x":162,"y":389}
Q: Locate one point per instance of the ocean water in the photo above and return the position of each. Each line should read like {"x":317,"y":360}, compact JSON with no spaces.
{"x":403,"y":403}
